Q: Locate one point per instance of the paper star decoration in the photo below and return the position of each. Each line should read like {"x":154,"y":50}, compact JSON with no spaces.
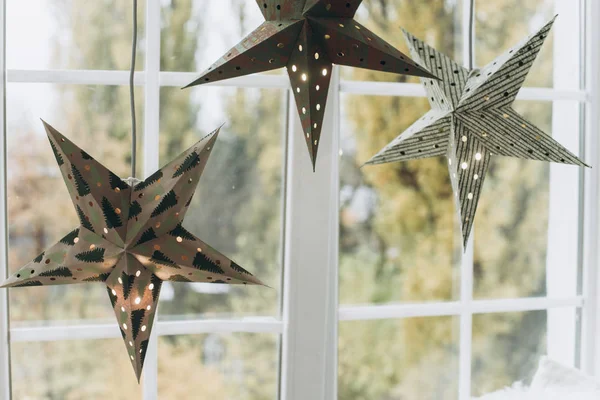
{"x":308,"y":37}
{"x":472,"y":119}
{"x":130,"y":238}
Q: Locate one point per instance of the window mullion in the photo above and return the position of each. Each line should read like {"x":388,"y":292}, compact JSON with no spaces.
{"x":456,"y":308}
{"x":5,"y":383}
{"x":466,"y":321}
{"x":121,"y":77}
{"x":591,"y":323}
{"x":402,"y":89}
{"x":332,"y":307}
{"x":466,"y":267}
{"x":74,"y":76}
{"x":151,"y":159}
{"x":564,"y":189}
{"x":261,"y":80}
{"x":309,"y":343}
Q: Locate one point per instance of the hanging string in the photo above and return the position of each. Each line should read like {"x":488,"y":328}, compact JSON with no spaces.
{"x":471,"y":32}
{"x":131,"y":92}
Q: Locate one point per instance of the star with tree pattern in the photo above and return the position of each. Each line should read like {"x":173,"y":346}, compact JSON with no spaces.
{"x":130,"y":238}
{"x":308,"y":37}
{"x":472,"y":119}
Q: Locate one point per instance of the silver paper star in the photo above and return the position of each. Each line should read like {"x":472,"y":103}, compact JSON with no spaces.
{"x":472,"y":119}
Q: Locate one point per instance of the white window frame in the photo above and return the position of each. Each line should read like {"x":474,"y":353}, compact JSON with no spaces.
{"x":310,"y":312}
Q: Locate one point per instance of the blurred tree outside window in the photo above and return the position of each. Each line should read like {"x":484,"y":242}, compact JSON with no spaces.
{"x":398,"y":236}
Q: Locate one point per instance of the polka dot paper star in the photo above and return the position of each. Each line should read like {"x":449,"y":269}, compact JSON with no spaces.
{"x":308,"y":37}
{"x":472,"y":119}
{"x":131,"y":238}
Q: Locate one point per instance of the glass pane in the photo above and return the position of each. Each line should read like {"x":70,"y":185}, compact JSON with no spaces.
{"x":59,"y":34}
{"x":506,"y":349}
{"x":195,"y":34}
{"x":238,"y":204}
{"x":436,"y":22}
{"x":40,"y":211}
{"x":526,"y":228}
{"x":240,"y":366}
{"x":398,"y":235}
{"x":501,"y":24}
{"x":75,"y":369}
{"x":415,"y":358}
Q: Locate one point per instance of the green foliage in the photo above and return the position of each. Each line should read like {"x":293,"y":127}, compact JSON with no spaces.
{"x":91,"y":256}
{"x":168,"y":201}
{"x":404,"y":249}
{"x":111,"y":218}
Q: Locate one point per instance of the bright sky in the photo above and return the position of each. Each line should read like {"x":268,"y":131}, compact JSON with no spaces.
{"x":32,"y":34}
{"x":29,"y":30}
{"x":28,"y":49}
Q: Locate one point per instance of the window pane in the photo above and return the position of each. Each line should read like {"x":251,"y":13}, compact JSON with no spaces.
{"x":237,"y":207}
{"x":398,"y":236}
{"x":40,"y":211}
{"x":507,"y":348}
{"x":58,"y":34}
{"x":415,"y":358}
{"x":240,"y":366}
{"x":75,"y":369}
{"x":195,"y":34}
{"x":526,"y":229}
{"x":501,"y":24}
{"x":436,"y":22}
